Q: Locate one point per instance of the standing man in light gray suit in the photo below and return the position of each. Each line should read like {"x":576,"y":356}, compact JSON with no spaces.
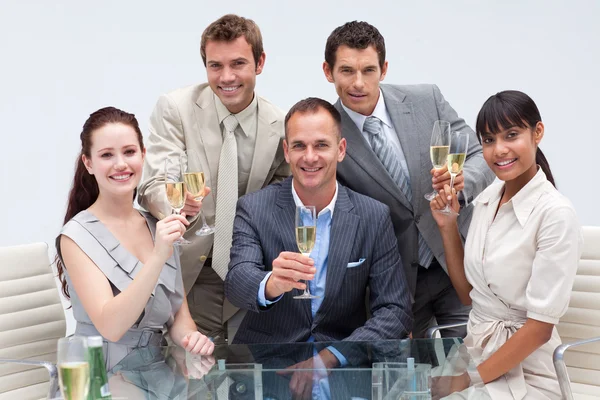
{"x":355,"y":248}
{"x":388,"y":129}
{"x":237,"y":137}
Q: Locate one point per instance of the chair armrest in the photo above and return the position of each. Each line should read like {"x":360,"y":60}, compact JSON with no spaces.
{"x":432,"y":331}
{"x":52,"y":372}
{"x":561,"y":368}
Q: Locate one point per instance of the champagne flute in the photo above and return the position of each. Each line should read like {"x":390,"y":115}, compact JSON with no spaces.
{"x":306,"y":235}
{"x":195,"y":183}
{"x":438,"y":150}
{"x":457,"y":154}
{"x":175,"y":189}
{"x":73,"y":367}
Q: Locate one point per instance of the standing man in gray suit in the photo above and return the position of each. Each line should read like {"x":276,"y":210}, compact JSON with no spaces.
{"x":355,"y":248}
{"x":238,"y":137}
{"x":388,"y":129}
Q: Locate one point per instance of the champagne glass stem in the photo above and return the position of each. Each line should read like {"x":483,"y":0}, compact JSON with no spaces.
{"x":430,"y":196}
{"x":203,"y":219}
{"x":447,"y":209}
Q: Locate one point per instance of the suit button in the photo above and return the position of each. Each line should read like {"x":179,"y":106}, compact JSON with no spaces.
{"x":414,"y":264}
{"x":202,"y":258}
{"x":417,"y":219}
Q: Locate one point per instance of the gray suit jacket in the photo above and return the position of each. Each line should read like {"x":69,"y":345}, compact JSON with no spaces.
{"x":361,"y":228}
{"x":413,"y":110}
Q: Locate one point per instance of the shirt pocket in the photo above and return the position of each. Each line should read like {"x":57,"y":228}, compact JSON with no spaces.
{"x":356,"y":264}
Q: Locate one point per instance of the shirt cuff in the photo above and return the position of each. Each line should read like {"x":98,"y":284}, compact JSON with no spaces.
{"x":338,"y":355}
{"x":262,"y":298}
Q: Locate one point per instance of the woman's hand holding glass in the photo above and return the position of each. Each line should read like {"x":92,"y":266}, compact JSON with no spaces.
{"x":175,"y":189}
{"x":168,"y":231}
{"x":445,"y":197}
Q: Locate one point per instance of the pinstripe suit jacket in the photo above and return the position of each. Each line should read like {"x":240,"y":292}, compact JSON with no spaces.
{"x":361,"y":228}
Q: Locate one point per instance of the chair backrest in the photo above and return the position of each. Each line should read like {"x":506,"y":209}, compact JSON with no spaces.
{"x":582,"y":320}
{"x":32,"y":319}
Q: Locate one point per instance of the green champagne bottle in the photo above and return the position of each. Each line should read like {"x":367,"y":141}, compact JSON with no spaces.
{"x":98,"y":380}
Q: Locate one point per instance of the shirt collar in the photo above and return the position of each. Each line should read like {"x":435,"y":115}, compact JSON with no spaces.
{"x":244,"y":117}
{"x":380,"y":112}
{"x":524,"y":201}
{"x":330,"y":207}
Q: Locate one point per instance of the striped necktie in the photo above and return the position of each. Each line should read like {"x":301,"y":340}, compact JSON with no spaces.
{"x":386,"y":154}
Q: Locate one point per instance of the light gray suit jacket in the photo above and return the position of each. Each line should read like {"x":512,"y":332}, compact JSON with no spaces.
{"x":186,"y":118}
{"x":413,"y":110}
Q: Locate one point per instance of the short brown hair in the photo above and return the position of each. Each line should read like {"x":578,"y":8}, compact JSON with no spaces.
{"x":230,"y":27}
{"x":311,"y":105}
{"x":356,"y":35}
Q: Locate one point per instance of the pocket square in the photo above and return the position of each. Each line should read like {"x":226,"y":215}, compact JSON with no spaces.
{"x":356,"y":264}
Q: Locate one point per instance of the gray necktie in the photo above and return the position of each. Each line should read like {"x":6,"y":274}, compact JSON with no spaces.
{"x":386,"y":154}
{"x":227,"y":196}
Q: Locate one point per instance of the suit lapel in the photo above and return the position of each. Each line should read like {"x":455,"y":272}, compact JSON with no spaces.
{"x":402,"y":116}
{"x":360,"y":151}
{"x":284,"y":216}
{"x":341,"y":240}
{"x":267,"y":142}
{"x":211,"y":137}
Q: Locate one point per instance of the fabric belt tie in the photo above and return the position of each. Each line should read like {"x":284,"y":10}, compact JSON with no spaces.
{"x":492,"y":335}
{"x":132,"y":338}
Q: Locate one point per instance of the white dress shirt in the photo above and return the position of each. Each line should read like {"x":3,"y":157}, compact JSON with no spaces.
{"x":389,"y":131}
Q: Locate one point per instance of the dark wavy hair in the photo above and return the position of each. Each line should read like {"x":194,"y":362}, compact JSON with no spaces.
{"x":84,"y":190}
{"x":511,"y":108}
{"x":356,"y":35}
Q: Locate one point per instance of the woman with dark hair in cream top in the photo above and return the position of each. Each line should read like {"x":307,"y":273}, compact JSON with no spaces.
{"x":519,"y":260}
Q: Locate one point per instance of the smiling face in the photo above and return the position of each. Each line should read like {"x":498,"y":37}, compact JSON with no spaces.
{"x":313,"y":148}
{"x":356,"y":75}
{"x":116,"y":159}
{"x":510,"y":153}
{"x":231,"y":71}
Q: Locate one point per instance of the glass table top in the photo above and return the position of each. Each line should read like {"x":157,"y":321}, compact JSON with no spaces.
{"x":394,"y":369}
{"x":371,"y":370}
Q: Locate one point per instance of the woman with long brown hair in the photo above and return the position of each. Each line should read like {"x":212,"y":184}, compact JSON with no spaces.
{"x":116,"y":263}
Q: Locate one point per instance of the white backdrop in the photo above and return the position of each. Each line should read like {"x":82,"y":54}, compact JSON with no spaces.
{"x":61,"y":60}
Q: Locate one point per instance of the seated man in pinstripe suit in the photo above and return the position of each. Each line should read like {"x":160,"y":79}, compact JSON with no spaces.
{"x":355,"y":249}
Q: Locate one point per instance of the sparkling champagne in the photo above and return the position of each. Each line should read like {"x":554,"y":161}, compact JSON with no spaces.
{"x":176,"y":194}
{"x":439,"y":156}
{"x":74,"y":380}
{"x":305,"y":238}
{"x":456,"y":162}
{"x":194,"y":182}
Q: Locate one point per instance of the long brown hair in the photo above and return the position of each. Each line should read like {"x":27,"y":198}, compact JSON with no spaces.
{"x":84,"y":190}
